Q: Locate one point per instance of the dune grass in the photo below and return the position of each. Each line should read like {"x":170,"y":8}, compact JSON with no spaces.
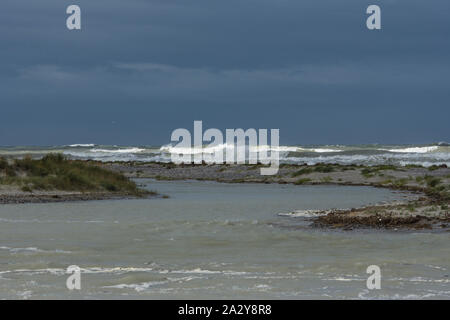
{"x":55,"y":172}
{"x":321,"y":167}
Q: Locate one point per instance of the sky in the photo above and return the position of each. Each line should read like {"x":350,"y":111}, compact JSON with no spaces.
{"x":139,"y":69}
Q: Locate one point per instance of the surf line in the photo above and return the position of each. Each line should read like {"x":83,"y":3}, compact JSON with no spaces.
{"x":235,"y":147}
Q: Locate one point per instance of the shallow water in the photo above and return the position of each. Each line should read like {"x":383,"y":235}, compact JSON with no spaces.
{"x":212,"y":240}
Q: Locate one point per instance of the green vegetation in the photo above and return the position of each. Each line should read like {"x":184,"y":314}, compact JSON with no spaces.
{"x":55,"y":172}
{"x":432,"y":181}
{"x":302,"y":171}
{"x":26,"y":189}
{"x":400,"y":182}
{"x":411,"y":166}
{"x":435,"y":167}
{"x":323,"y":168}
{"x":436,"y":190}
{"x":369,"y":172}
{"x":348,"y":167}
{"x":302,"y":181}
{"x":411,"y":207}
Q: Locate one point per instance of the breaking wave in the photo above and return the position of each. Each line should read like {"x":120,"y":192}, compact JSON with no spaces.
{"x":425,"y":155}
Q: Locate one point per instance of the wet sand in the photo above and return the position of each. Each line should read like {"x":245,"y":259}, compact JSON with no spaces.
{"x":12,"y":194}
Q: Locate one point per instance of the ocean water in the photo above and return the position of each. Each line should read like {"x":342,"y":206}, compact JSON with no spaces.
{"x":425,"y":155}
{"x":213,"y":240}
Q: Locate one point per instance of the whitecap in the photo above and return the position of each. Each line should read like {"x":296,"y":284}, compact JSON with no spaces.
{"x":127,"y":150}
{"x":324,"y":150}
{"x":86,"y":145}
{"x":304,"y":213}
{"x":413,"y":149}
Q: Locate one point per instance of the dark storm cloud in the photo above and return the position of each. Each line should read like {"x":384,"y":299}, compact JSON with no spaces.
{"x":139,"y":69}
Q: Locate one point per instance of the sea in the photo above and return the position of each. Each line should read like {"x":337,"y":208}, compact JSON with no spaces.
{"x":373,"y":154}
{"x":212,"y":240}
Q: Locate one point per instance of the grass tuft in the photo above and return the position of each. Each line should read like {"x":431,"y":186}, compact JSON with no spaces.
{"x":55,"y":172}
{"x":302,"y":181}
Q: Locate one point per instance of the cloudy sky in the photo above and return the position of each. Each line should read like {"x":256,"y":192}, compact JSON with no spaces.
{"x":139,"y":69}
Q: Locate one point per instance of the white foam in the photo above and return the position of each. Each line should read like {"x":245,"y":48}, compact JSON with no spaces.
{"x":343,"y":279}
{"x":260,"y":148}
{"x":265,"y":148}
{"x":31,"y":249}
{"x":304,"y":213}
{"x":324,"y":150}
{"x":25,"y":294}
{"x":127,"y":150}
{"x":362,"y":155}
{"x":224,"y":147}
{"x":413,"y":149}
{"x":137,"y":286}
{"x":87,"y":145}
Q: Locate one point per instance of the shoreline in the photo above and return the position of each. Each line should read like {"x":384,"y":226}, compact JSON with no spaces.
{"x":54,"y":178}
{"x":428,"y":211}
{"x":62,"y":196}
{"x":389,"y":216}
